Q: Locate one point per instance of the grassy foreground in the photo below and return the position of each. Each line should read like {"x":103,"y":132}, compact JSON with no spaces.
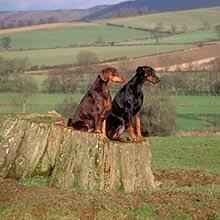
{"x":187,"y":168}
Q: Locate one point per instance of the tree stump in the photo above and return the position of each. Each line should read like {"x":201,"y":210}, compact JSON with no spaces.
{"x":33,"y":145}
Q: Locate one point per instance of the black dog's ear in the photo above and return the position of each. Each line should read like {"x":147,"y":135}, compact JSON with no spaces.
{"x":140,"y":69}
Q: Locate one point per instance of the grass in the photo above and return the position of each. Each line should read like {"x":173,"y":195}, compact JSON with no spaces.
{"x":186,"y":153}
{"x":173,"y":200}
{"x":194,"y":19}
{"x":193,"y":112}
{"x":196,"y":112}
{"x":36,"y":181}
{"x":69,"y":55}
{"x":40,"y":102}
{"x":63,"y":37}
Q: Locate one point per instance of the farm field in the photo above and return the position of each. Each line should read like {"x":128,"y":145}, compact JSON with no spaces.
{"x":193,"y":112}
{"x":99,"y":35}
{"x":68,"y":55}
{"x":70,"y":36}
{"x":195,"y":19}
{"x":187,"y":169}
{"x":44,"y":27}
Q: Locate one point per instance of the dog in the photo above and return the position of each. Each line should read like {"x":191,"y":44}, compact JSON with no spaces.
{"x":127,"y":104}
{"x":91,"y":114}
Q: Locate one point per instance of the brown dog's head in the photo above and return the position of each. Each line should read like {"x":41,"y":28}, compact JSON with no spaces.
{"x":147,"y":73}
{"x":110,"y":74}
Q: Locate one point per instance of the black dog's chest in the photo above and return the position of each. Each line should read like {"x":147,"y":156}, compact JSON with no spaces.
{"x":138,"y":102}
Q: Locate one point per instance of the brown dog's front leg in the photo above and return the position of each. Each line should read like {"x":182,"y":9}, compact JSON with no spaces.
{"x":104,"y":130}
{"x":138,"y":128}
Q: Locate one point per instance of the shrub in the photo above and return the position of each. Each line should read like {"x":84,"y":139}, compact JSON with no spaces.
{"x":158,"y":115}
{"x":62,"y":83}
{"x":66,"y":108}
{"x":86,"y":57}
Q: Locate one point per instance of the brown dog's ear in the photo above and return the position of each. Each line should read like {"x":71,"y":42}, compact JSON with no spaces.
{"x":105,"y":75}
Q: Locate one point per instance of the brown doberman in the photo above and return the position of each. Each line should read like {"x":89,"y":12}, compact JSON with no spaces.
{"x":95,"y":106}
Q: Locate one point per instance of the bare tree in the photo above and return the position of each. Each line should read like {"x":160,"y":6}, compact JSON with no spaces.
{"x":86,"y":57}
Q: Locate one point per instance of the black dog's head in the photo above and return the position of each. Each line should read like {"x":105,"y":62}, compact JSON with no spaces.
{"x":147,"y":73}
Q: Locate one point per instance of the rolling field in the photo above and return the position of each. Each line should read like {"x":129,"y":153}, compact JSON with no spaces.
{"x":44,"y":27}
{"x":68,"y":55}
{"x":81,"y":35}
{"x":192,"y":19}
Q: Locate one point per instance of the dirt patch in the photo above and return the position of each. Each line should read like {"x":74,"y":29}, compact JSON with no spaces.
{"x":188,"y":178}
{"x":39,"y":202}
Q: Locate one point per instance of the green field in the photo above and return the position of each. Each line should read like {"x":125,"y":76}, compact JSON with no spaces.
{"x":192,"y":19}
{"x":70,"y":36}
{"x":68,"y":55}
{"x":61,"y":45}
{"x":186,"y":153}
{"x":193,"y":112}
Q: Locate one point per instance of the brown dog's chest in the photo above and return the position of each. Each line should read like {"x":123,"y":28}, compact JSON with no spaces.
{"x":107,"y":103}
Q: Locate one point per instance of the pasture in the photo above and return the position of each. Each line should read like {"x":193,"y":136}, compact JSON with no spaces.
{"x":187,"y":169}
{"x":69,"y":55}
{"x":71,"y":36}
{"x":193,"y":112}
{"x":191,"y":20}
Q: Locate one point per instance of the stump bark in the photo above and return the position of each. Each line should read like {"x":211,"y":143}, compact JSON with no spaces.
{"x":33,"y":145}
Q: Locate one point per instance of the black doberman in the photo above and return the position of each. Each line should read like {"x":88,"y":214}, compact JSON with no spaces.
{"x":127,"y":104}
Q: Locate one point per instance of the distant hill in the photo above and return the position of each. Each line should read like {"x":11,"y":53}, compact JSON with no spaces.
{"x":124,"y":9}
{"x":26,"y":18}
{"x":139,"y":7}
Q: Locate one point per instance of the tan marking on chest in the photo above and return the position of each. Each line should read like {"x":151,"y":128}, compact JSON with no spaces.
{"x":107,"y":103}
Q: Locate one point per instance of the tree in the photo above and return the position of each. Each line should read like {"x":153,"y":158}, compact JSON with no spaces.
{"x":52,"y":84}
{"x":6,"y":42}
{"x":157,"y":34}
{"x":26,"y":86}
{"x":215,"y":88}
{"x":217,"y":29}
{"x":60,"y":82}
{"x":184,"y":28}
{"x":173,"y":29}
{"x":100,"y":39}
{"x":206,"y":25}
{"x":12,"y":66}
{"x":86,"y":57}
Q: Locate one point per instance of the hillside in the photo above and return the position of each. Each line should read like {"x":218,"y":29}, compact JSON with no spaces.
{"x":9,"y":19}
{"x":26,"y":18}
{"x":138,"y":7}
{"x":189,"y":20}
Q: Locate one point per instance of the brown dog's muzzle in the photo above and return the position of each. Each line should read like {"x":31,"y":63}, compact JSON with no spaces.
{"x":118,"y":79}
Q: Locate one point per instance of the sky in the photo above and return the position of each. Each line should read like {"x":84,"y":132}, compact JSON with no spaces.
{"x":51,"y":4}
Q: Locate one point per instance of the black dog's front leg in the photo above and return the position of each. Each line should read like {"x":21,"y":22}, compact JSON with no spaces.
{"x":129,"y":116}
